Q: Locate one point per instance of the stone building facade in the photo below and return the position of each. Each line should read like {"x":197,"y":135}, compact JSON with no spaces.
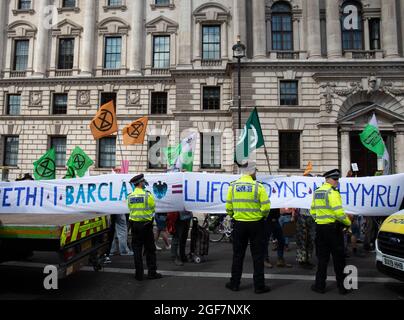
{"x":315,"y":72}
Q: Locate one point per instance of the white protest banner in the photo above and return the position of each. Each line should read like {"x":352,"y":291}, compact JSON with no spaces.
{"x":377,"y":196}
{"x":103,"y":194}
{"x":196,"y":192}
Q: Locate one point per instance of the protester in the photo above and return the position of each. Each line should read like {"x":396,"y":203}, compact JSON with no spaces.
{"x":180,"y":237}
{"x":274,"y":229}
{"x":287,"y":215}
{"x":161,"y":224}
{"x":111,"y":237}
{"x":370,"y":234}
{"x":120,"y":242}
{"x":305,"y":236}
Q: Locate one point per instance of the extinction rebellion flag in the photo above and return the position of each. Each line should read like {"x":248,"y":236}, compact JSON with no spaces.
{"x":45,"y":167}
{"x":80,"y":162}
{"x":104,"y":124}
{"x":135,"y":132}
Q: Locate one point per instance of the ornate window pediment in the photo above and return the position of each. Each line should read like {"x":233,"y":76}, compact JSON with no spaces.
{"x":162,"y":24}
{"x":67,"y":27}
{"x":21,"y":29}
{"x":212,"y":12}
{"x":113,"y":26}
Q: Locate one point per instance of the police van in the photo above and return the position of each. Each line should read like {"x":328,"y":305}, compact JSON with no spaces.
{"x":390,"y":246}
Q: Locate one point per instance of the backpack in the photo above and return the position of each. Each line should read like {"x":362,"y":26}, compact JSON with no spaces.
{"x":172,"y":218}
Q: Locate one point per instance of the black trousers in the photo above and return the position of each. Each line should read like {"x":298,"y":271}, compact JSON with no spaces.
{"x":244,"y":232}
{"x":179,"y":241}
{"x":143,"y":237}
{"x":330,"y":241}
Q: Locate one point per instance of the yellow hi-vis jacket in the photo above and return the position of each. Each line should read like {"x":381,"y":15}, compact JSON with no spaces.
{"x":141,"y":206}
{"x":247,"y":200}
{"x":327,"y":206}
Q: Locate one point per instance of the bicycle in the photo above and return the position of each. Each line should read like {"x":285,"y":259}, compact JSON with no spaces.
{"x":219,"y":227}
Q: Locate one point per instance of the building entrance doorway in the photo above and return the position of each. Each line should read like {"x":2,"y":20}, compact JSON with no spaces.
{"x":366,"y":159}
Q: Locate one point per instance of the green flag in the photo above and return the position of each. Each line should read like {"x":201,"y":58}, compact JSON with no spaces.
{"x":80,"y":162}
{"x":372,"y":139}
{"x":45,"y":167}
{"x":71,"y":174}
{"x":251,"y":138}
{"x":181,"y":157}
{"x":172,"y":154}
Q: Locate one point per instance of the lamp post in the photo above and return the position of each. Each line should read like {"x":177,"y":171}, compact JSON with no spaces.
{"x":239,"y":53}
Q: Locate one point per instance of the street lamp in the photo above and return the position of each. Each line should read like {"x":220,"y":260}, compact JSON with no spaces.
{"x":239,"y":53}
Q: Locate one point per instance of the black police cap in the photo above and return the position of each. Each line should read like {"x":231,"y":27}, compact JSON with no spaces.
{"x":138,"y":179}
{"x":333,"y":174}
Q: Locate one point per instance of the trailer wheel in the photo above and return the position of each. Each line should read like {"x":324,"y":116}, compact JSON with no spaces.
{"x":197,"y":260}
{"x":97,"y":267}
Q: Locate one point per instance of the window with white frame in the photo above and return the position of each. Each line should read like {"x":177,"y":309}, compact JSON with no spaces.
{"x":13,"y":105}
{"x":107,"y":152}
{"x":161,"y":52}
{"x":211,"y":42}
{"x":66,"y":54}
{"x":21,"y":53}
{"x":59,"y":144}
{"x":24,"y":4}
{"x":68,"y":3}
{"x":11,"y":146}
{"x":112,"y":52}
{"x":211,"y":157}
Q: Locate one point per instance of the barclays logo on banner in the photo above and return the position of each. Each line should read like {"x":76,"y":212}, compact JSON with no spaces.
{"x":160,"y":190}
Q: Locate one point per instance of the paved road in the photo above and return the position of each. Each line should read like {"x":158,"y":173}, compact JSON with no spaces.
{"x":192,"y":282}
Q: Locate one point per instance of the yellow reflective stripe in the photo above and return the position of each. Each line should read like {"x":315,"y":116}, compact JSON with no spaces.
{"x":266,"y":202}
{"x":75,"y":232}
{"x":325,"y":217}
{"x":244,"y":201}
{"x":84,"y":234}
{"x":256,"y":192}
{"x":247,"y":210}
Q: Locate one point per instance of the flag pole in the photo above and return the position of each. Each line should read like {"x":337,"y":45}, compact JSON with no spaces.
{"x":267,"y":157}
{"x":120,"y":146}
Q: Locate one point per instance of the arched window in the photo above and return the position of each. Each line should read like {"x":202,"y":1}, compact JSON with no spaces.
{"x":282,"y":27}
{"x":352,"y":26}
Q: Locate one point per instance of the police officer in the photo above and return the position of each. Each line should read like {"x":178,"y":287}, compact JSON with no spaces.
{"x":248,"y":204}
{"x":330,"y":218}
{"x":142,"y":209}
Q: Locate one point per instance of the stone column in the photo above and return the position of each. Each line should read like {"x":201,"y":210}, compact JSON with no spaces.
{"x":399,"y":157}
{"x":402,"y":24}
{"x":3,"y":39}
{"x":137,"y":37}
{"x":197,"y":41}
{"x":185,"y":33}
{"x":345,"y":151}
{"x":389,"y":28}
{"x":334,"y":42}
{"x":296,"y":34}
{"x":87,"y":56}
{"x":239,"y":21}
{"x":259,"y":29}
{"x":225,"y":43}
{"x":366,"y":33}
{"x":313,"y":29}
{"x":41,"y":43}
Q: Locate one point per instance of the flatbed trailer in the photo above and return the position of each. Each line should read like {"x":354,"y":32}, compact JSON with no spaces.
{"x":75,"y":240}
